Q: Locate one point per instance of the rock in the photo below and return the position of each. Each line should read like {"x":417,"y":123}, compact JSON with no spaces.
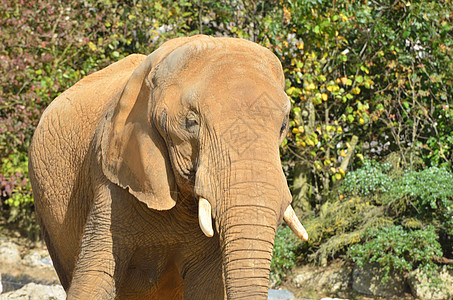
{"x":329,"y":280}
{"x":8,"y":285}
{"x":368,"y":280}
{"x":421,"y":286}
{"x":33,"y":291}
{"x":273,"y":281}
{"x":38,"y":258}
{"x":9,"y":253}
{"x":280,"y":295}
{"x":15,"y":276}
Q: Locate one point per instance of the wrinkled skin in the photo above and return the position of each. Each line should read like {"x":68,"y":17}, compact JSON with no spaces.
{"x":119,"y":161}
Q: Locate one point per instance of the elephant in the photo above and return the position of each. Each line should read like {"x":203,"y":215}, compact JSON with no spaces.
{"x":159,"y":176}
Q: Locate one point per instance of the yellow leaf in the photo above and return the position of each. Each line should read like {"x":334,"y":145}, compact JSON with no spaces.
{"x":333,"y":170}
{"x":344,"y":80}
{"x":324,"y":96}
{"x":311,"y":86}
{"x":329,"y":128}
{"x":343,"y":153}
{"x":361,"y":121}
{"x":356,"y":90}
{"x":300,"y":46}
{"x":92,"y":46}
{"x":342,"y":172}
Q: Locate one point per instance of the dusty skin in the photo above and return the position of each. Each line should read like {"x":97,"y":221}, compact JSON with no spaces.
{"x":121,"y":162}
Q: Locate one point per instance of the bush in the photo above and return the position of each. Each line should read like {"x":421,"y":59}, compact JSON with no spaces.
{"x":398,"y":249}
{"x":376,"y":197}
{"x":15,"y":194}
{"x":371,"y":177}
{"x":283,"y":259}
{"x":427,"y":195}
{"x":339,"y":225}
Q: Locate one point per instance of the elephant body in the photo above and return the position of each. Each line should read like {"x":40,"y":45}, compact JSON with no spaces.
{"x":121,"y":162}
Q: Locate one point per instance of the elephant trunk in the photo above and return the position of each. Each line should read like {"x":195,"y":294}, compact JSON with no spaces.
{"x":247,"y":207}
{"x":247,"y":220}
{"x":247,"y":254}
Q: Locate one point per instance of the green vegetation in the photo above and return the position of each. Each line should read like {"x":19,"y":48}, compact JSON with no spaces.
{"x":371,"y":126}
{"x":397,"y":249}
{"x":370,"y":178}
{"x":15,"y":194}
{"x":400,"y":220}
{"x":284,"y":256}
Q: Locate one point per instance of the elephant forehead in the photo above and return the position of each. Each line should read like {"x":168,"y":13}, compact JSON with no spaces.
{"x":241,"y":91}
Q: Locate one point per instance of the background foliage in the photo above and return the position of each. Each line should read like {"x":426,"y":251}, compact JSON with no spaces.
{"x":370,"y":83}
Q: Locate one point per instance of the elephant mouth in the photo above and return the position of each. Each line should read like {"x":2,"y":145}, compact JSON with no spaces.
{"x":205,"y":220}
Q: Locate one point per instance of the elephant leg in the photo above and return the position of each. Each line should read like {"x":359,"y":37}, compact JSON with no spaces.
{"x":99,"y":269}
{"x":105,"y":251}
{"x":63,"y":275}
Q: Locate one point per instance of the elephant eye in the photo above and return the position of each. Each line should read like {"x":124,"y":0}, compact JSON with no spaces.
{"x":192,"y":122}
{"x":284,"y":126}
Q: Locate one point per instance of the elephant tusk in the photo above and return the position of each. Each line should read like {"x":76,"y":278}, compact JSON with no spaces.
{"x":293,"y":222}
{"x":204,"y":217}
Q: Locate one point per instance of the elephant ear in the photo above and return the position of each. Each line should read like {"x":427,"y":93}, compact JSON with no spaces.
{"x":134,"y":155}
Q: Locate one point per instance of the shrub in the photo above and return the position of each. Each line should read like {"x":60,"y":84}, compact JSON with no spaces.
{"x":283,"y":258}
{"x":376,"y":196}
{"x":339,"y":225}
{"x":15,"y":194}
{"x":398,"y":249}
{"x":371,"y":177}
{"x":426,"y":195}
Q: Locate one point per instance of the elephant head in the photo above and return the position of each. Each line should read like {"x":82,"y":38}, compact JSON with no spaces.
{"x":200,"y":121}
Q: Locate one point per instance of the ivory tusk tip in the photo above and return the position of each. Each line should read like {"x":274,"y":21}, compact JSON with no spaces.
{"x":209,"y":233}
{"x":294,"y":224}
{"x":205,"y":218}
{"x":304,"y":236}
